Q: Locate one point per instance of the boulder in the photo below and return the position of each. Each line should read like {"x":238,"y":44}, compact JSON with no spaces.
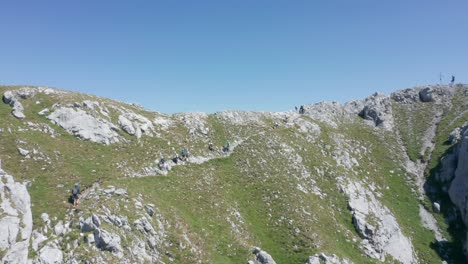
{"x":262,"y":256}
{"x":107,"y":241}
{"x":378,"y":109}
{"x":96,"y":220}
{"x":406,"y":96}
{"x":426,"y":95}
{"x":17,"y":108}
{"x":87,"y":225}
{"x":23,"y":152}
{"x":50,"y":255}
{"x":59,"y":228}
{"x":436,"y":207}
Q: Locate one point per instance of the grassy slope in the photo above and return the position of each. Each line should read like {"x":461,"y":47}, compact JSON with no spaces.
{"x":202,"y":196}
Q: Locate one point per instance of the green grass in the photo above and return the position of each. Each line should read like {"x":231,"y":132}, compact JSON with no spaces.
{"x":258,"y":180}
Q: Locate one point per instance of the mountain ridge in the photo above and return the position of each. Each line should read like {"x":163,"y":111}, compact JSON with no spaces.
{"x":289,"y":163}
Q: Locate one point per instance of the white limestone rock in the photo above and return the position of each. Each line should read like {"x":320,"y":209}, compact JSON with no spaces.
{"x":79,"y":123}
{"x":262,"y":256}
{"x":382,"y":236}
{"x":15,"y":220}
{"x":107,"y":241}
{"x":50,"y":255}
{"x":325,"y":259}
{"x":378,"y":109}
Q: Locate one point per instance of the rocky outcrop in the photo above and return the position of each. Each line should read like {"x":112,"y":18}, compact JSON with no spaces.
{"x":262,"y":256}
{"x":135,"y":124}
{"x":79,"y":123}
{"x":11,"y":99}
{"x":458,"y":165}
{"x":376,"y":225}
{"x":378,"y":109}
{"x":195,"y":123}
{"x":324,"y":259}
{"x":15,"y":220}
{"x":108,"y":241}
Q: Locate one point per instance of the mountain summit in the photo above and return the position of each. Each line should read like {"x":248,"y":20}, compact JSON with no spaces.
{"x":378,"y":180}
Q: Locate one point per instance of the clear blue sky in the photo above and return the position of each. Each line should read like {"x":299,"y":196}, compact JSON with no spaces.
{"x":173,"y":56}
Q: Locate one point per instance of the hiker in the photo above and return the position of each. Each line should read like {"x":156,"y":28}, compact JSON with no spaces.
{"x":187,"y":153}
{"x":183,"y":154}
{"x":162,"y":163}
{"x":227,"y":146}
{"x":211,"y":147}
{"x":452,"y":81}
{"x":301,"y":110}
{"x":295,"y":108}
{"x":76,"y":195}
{"x":176,"y":158}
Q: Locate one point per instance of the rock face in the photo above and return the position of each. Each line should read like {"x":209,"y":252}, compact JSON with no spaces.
{"x":459,"y":186}
{"x":15,"y":220}
{"x":378,"y":109}
{"x":79,"y":123}
{"x":376,"y":225}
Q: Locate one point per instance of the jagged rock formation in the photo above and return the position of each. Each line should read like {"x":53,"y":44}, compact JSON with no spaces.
{"x":15,"y":220}
{"x":354,"y":180}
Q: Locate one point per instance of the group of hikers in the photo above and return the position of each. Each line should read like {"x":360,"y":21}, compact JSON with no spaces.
{"x":301,"y":109}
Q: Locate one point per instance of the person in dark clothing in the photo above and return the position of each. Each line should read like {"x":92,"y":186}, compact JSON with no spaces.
{"x":301,"y":110}
{"x":211,"y":147}
{"x":453,"y":80}
{"x":76,"y":195}
{"x":162,"y":163}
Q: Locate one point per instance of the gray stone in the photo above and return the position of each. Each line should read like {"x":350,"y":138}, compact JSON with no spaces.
{"x":406,"y":96}
{"x":87,"y":225}
{"x":120,"y":192}
{"x":377,"y":108}
{"x":144,"y":226}
{"x":107,"y":241}
{"x":45,"y":218}
{"x":44,"y":111}
{"x":23,"y":152}
{"x":426,"y":95}
{"x":324,"y":259}
{"x":59,"y":228}
{"x":436,"y":207}
{"x":149,"y":210}
{"x":96,"y":220}
{"x":126,"y":125}
{"x":15,"y":220}
{"x":83,"y":125}
{"x":89,"y":239}
{"x":50,"y":255}
{"x":262,"y":256}
{"x":384,"y":236}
